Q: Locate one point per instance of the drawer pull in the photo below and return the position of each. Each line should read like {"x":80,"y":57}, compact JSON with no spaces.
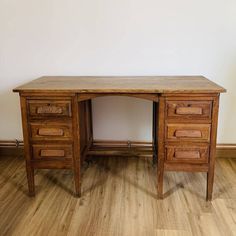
{"x":50,"y":132}
{"x":188,"y":134}
{"x":49,"y":110}
{"x":187,"y":154}
{"x":188,"y":110}
{"x":52,"y":153}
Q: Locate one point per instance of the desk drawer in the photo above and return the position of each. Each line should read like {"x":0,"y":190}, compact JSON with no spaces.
{"x":189,"y":109}
{"x":51,"y":131}
{"x":51,"y":151}
{"x":187,"y":154}
{"x":188,"y":132}
{"x":46,"y":108}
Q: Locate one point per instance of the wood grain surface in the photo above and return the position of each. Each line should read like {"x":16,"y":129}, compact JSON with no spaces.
{"x":180,"y":99}
{"x":123,"y":84}
{"x":119,"y":199}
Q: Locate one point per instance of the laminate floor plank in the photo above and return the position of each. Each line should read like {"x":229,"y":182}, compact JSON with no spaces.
{"x":118,"y":199}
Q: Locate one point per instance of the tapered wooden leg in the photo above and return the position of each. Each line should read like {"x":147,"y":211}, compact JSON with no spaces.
{"x":30,"y":178}
{"x":154,"y":133}
{"x":160,"y":178}
{"x":160,"y":118}
{"x":27,"y":150}
{"x":210,"y":174}
{"x":210,"y":181}
{"x":77,"y":179}
{"x":76,"y":146}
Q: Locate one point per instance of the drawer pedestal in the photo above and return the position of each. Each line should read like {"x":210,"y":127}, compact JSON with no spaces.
{"x":187,"y":136}
{"x":57,"y":131}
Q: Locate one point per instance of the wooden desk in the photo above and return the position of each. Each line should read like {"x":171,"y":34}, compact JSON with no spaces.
{"x":57,"y":123}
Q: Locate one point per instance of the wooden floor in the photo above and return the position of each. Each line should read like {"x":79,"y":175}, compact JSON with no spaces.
{"x":118,"y":198}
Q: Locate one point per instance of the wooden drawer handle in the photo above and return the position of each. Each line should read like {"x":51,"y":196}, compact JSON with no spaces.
{"x":188,"y":111}
{"x":188,"y":133}
{"x":50,"y":132}
{"x":49,"y":110}
{"x":187,"y":154}
{"x":52,"y":153}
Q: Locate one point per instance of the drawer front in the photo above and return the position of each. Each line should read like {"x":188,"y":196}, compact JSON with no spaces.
{"x":51,"y":131}
{"x":188,"y":132}
{"x":189,"y":109}
{"x":187,"y":154}
{"x":51,"y":151}
{"x":46,"y":108}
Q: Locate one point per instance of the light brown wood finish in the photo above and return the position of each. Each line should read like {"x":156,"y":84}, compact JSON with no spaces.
{"x":49,"y":108}
{"x":160,"y":146}
{"x":76,"y":145}
{"x":183,"y":130}
{"x":210,"y":173}
{"x":89,"y":96}
{"x":119,"y":199}
{"x":189,"y":109}
{"x":27,"y":148}
{"x":51,"y":151}
{"x":121,"y":84}
{"x":51,"y":130}
{"x":189,"y":153}
{"x":193,"y":132}
{"x":58,"y":122}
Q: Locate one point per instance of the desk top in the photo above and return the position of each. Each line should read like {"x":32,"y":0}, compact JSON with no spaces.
{"x":122,"y":84}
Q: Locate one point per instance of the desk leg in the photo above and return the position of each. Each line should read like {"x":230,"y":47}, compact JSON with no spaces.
{"x":76,"y":145}
{"x":154,"y":132}
{"x":211,"y":170}
{"x":161,"y":149}
{"x":30,"y":179}
{"x":27,"y":151}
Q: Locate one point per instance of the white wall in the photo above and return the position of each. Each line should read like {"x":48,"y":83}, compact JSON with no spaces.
{"x":119,"y":37}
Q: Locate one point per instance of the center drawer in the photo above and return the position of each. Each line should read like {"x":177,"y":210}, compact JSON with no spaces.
{"x":188,"y":132}
{"x":51,"y":131}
